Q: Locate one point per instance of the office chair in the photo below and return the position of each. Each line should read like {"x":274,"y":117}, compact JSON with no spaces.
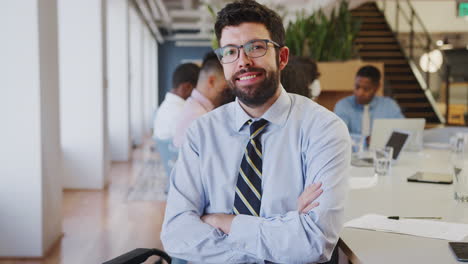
{"x":140,"y":255}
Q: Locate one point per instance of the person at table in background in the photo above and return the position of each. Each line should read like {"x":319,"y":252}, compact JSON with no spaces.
{"x":245,"y":186}
{"x":300,"y":76}
{"x":359,"y":110}
{"x":184,"y":79}
{"x":210,"y":92}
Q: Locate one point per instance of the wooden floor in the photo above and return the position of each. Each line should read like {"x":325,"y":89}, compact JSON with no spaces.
{"x":100,"y":225}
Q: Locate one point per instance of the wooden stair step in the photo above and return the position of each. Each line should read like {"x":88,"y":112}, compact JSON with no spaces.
{"x":397,"y":62}
{"x":390,"y":69}
{"x":374,"y":26}
{"x":420,"y":114}
{"x":415,"y":105}
{"x":375,"y":33}
{"x":375,"y":40}
{"x":381,"y":53}
{"x":409,"y":96}
{"x":405,"y":86}
{"x":372,"y":19}
{"x":366,"y":13}
{"x":366,"y":8}
{"x":400,"y":77}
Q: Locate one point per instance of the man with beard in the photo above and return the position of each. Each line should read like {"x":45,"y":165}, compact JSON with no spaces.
{"x":247,"y":187}
{"x":211,"y":91}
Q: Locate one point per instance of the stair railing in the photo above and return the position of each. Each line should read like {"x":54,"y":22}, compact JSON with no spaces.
{"x":406,"y":14}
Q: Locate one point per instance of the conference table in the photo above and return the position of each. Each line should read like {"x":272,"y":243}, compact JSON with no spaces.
{"x":392,"y":195}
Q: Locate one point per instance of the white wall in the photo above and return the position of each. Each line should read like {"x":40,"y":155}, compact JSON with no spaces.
{"x":136,"y":78}
{"x":118,"y":90}
{"x":30,"y":185}
{"x":82,"y":94}
{"x":437,"y":16}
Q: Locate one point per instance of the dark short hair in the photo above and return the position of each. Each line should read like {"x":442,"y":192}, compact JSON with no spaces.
{"x":242,"y":11}
{"x":370,"y":72}
{"x":211,"y":63}
{"x":298,"y":75}
{"x":187,"y":72}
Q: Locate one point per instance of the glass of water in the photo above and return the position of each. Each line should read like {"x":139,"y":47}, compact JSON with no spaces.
{"x":459,"y":167}
{"x":382,"y":160}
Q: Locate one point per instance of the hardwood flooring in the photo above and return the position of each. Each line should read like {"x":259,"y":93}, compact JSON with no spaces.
{"x":101,"y":225}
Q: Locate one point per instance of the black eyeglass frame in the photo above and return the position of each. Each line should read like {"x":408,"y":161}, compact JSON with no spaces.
{"x":219,"y":51}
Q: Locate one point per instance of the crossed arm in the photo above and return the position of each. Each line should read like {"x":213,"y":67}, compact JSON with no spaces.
{"x":305,"y":203}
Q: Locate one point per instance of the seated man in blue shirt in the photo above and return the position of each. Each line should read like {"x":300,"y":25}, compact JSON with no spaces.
{"x":262,"y":179}
{"x":359,"y":110}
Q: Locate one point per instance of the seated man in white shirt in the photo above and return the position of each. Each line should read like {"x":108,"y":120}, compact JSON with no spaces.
{"x":359,"y":110}
{"x":184,"y":79}
{"x":211,"y":91}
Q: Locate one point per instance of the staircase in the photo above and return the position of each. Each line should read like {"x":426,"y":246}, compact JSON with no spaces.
{"x":377,"y":42}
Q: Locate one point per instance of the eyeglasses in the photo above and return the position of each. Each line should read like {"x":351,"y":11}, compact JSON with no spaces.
{"x":254,"y":49}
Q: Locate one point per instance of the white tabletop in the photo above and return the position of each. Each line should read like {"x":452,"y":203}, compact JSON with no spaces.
{"x":393,"y":195}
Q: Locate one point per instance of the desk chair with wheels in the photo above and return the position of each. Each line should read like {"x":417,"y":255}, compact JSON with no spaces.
{"x":140,"y":255}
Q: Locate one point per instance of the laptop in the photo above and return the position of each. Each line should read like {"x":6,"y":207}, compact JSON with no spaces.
{"x":397,"y":140}
{"x":381,"y":129}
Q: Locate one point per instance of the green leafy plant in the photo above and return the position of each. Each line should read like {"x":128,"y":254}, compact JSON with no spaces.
{"x":324,"y":38}
{"x":214,"y":41}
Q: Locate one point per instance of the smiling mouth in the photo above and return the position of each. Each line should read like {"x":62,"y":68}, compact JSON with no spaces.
{"x":247,"y":77}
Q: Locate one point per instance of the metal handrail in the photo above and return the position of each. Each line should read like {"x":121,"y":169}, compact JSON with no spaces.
{"x":413,"y":20}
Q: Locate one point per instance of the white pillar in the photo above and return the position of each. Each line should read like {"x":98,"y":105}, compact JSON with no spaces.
{"x":153,"y":80}
{"x":30,"y":167}
{"x":148,"y":93}
{"x":155,"y":86}
{"x":118,"y":70}
{"x":136,"y":77}
{"x":82,"y":93}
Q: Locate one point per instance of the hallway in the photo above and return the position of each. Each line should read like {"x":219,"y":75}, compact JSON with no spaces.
{"x":100,"y":225}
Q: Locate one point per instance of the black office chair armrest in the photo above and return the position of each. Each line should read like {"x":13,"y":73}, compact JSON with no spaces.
{"x":140,"y":255}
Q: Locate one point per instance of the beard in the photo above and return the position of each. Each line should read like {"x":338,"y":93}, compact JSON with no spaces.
{"x":259,"y":93}
{"x":227,"y":96}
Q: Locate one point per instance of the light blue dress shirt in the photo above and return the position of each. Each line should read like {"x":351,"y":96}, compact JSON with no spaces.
{"x":303,"y":144}
{"x":351,"y":112}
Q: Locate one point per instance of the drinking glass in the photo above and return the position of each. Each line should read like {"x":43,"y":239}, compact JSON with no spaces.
{"x":382,"y":160}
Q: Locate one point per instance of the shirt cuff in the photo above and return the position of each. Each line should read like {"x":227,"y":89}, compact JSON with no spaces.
{"x":244,"y":233}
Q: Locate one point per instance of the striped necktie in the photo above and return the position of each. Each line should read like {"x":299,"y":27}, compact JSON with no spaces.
{"x":249,"y":181}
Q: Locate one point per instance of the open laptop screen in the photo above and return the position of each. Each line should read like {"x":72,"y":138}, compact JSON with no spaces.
{"x":397,"y":140}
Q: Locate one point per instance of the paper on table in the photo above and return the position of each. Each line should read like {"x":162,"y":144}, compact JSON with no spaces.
{"x":363,"y":182}
{"x":415,"y":227}
{"x":367,"y":178}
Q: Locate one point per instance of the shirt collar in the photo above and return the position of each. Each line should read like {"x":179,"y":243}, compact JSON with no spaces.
{"x":276,"y":114}
{"x":202,"y":100}
{"x":372,"y":103}
{"x":174,"y":97}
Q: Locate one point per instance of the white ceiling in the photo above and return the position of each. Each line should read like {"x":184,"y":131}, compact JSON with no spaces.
{"x":189,"y":23}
